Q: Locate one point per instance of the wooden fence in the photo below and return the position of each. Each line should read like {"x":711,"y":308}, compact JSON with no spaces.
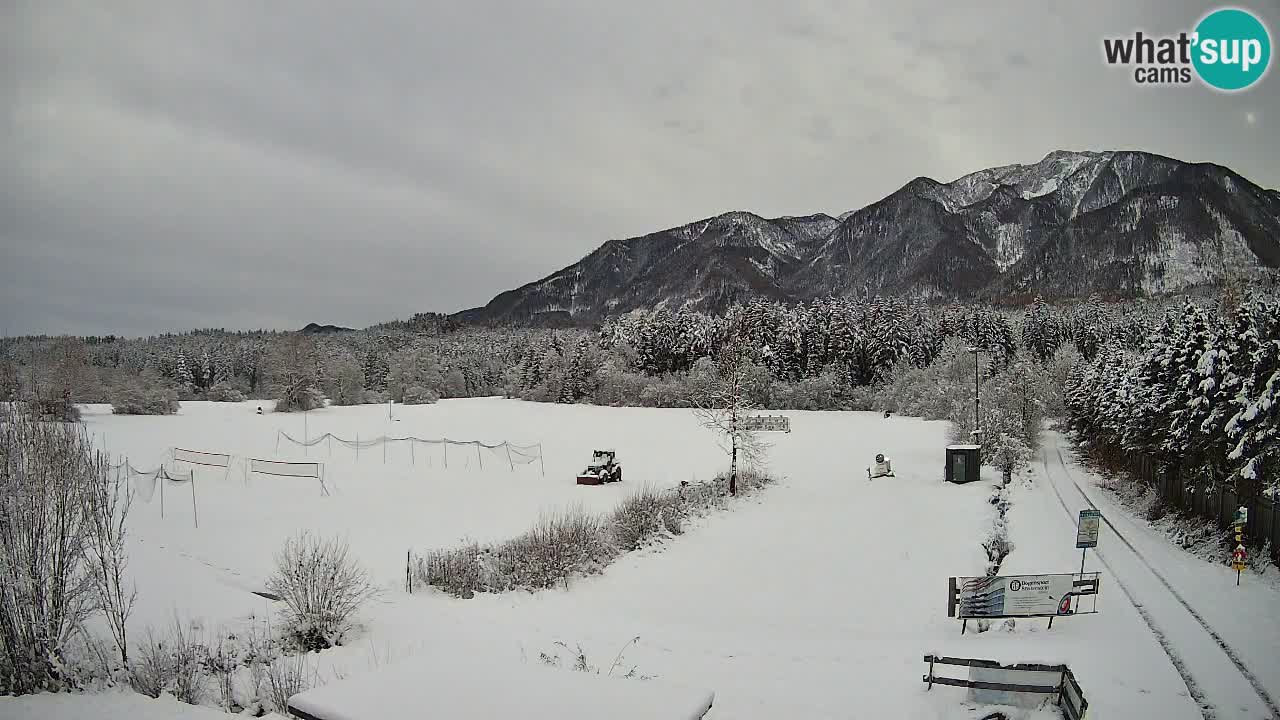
{"x":1216,"y":502}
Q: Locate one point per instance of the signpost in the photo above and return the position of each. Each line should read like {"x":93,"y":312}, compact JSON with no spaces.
{"x":1087,"y":532}
{"x":1239,"y":556}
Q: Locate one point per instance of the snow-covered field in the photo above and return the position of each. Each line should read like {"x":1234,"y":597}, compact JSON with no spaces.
{"x":815,"y":599}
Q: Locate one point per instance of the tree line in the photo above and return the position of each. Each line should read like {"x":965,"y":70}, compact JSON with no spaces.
{"x":825,"y":354}
{"x":1200,"y":395}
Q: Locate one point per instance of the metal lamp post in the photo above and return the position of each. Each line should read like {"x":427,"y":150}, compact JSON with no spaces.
{"x":976,"y":402}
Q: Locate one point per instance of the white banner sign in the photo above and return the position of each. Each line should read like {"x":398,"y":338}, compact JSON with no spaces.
{"x":769,"y":423}
{"x":287,"y":469}
{"x":1014,"y":596}
{"x":197,"y":457}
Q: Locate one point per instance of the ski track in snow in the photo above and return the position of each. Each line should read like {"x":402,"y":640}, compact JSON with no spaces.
{"x":1206,"y":708}
{"x":1197,"y":688}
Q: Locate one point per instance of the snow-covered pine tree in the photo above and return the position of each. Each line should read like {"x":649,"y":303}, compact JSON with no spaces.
{"x":183,"y":375}
{"x":1186,"y":405}
{"x":1255,"y":425}
{"x":1039,"y":332}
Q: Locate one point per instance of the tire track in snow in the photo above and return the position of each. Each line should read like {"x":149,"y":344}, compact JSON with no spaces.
{"x":1272,"y":706}
{"x":1207,"y":709}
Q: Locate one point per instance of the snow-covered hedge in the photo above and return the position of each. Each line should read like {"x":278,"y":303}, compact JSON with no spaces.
{"x":134,"y":399}
{"x":418,"y":395}
{"x":574,"y":543}
{"x":224,"y":392}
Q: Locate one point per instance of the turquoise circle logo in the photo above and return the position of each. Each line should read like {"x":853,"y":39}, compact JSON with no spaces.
{"x":1232,"y":49}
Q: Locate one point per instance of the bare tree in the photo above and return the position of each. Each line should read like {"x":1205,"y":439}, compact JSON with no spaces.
{"x":291,"y":373}
{"x":108,"y":503}
{"x":47,"y":473}
{"x":8,"y":380}
{"x":722,"y":403}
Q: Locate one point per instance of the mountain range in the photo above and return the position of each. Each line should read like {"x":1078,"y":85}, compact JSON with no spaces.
{"x":1119,"y":224}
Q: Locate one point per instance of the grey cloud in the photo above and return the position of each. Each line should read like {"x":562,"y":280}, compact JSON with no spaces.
{"x":179,"y":164}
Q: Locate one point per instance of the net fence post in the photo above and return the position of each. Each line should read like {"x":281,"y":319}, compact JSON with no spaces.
{"x":510,"y":462}
{"x":413,"y":443}
{"x":540,"y":463}
{"x":160,"y":478}
{"x":478,"y":458}
{"x":357,"y":448}
{"x":446,"y":453}
{"x":195,"y":511}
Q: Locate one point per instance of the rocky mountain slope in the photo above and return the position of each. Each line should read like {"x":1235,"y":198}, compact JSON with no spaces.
{"x":1124,"y":224}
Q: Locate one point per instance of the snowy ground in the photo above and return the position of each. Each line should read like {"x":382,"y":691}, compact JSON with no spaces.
{"x":816,"y":599}
{"x":1227,"y":637}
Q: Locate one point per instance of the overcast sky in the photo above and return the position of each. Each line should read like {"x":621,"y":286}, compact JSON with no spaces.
{"x":168,"y":165}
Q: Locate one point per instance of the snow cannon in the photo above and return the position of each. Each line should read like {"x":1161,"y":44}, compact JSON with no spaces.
{"x":882,"y":468}
{"x":603,"y":468}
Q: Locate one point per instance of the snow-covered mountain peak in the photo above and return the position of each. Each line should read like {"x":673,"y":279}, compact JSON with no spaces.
{"x":1116,"y":223}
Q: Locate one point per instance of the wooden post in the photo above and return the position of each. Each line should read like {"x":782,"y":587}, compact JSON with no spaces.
{"x":408,"y":573}
{"x":931,"y":659}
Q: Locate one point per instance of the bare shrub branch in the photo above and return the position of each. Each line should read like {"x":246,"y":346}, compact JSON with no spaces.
{"x":48,"y":475}
{"x":322,"y":588}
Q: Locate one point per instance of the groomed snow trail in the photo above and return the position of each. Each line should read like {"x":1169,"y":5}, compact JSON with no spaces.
{"x":1224,"y":684}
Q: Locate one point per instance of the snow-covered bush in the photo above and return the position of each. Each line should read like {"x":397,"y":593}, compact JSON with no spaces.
{"x":173,"y":662}
{"x":413,"y":368}
{"x":573,"y":542}
{"x":1006,"y":452}
{"x":286,"y":677}
{"x":48,"y":408}
{"x":298,"y":399}
{"x":133,"y":398}
{"x":418,"y":395}
{"x":151,"y":669}
{"x":643,"y":516}
{"x":322,"y":587}
{"x":50,"y":480}
{"x":934,"y":391}
{"x":558,"y":546}
{"x":344,"y":382}
{"x":291,"y":375}
{"x":224,"y":392}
